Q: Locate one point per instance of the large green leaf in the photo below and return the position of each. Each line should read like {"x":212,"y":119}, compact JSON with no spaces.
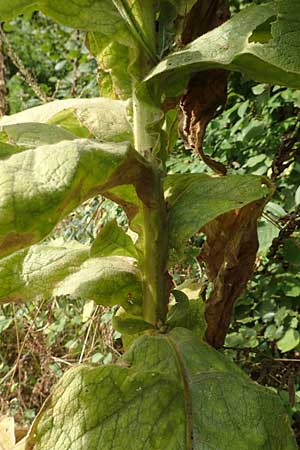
{"x":108,"y":281}
{"x":261,"y":41}
{"x":170,"y":392}
{"x":36,"y":271}
{"x":196,"y":199}
{"x":102,"y":118}
{"x":40,"y":186}
{"x":67,"y":269}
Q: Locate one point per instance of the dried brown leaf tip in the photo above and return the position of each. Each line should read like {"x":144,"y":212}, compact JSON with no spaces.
{"x":206,"y":93}
{"x":205,"y":98}
{"x":229,"y":255}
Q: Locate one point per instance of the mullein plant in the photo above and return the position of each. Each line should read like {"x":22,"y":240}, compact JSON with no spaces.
{"x":164,"y":66}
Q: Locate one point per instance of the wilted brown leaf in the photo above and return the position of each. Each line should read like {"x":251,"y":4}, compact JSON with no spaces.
{"x":206,"y":93}
{"x":229,"y":255}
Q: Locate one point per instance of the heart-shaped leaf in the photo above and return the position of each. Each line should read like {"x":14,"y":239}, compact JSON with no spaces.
{"x":170,"y":392}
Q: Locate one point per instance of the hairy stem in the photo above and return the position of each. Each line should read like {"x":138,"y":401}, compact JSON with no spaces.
{"x":155,"y":225}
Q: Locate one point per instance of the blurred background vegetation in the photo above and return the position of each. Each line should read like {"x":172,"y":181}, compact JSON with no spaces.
{"x":258,"y":133}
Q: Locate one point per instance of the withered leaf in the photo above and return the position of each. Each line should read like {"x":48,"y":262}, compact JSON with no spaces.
{"x":229,"y":255}
{"x":206,"y":93}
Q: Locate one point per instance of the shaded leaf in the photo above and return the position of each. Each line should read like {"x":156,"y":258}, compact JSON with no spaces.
{"x":196,"y":199}
{"x":102,"y":118}
{"x":112,"y":240}
{"x":188,"y":313}
{"x":54,"y":269}
{"x":118,"y":30}
{"x":113,"y":60}
{"x":119,"y":58}
{"x":92,"y":15}
{"x":130,"y":324}
{"x":171,"y":391}
{"x":229,"y":254}
{"x":108,"y":281}
{"x":235,"y":45}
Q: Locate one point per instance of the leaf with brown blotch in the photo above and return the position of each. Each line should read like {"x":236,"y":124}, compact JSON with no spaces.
{"x":229,"y":255}
{"x":206,"y":93}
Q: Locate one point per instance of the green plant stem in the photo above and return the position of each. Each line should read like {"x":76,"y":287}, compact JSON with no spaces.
{"x":155,"y":225}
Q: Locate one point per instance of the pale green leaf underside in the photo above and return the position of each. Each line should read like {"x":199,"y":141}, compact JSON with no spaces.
{"x":102,"y":118}
{"x":172,"y":392}
{"x":54,"y":269}
{"x":238,"y":45}
{"x":108,"y":281}
{"x":40,"y":186}
{"x":196,"y":199}
{"x":36,"y":271}
{"x":30,"y":135}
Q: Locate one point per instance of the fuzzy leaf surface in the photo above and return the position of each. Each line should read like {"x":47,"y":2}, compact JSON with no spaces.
{"x":261,"y":41}
{"x":101,"y":118}
{"x":30,"y":135}
{"x":40,"y":186}
{"x":169,"y":392}
{"x":109,"y":281}
{"x":196,"y":199}
{"x":49,"y":269}
{"x":36,"y":271}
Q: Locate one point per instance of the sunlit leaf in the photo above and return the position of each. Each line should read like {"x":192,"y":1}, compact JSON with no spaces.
{"x":7,"y":432}
{"x":261,"y":41}
{"x":33,"y":272}
{"x":40,"y":186}
{"x":102,"y":118}
{"x":289,"y":341}
{"x":196,"y":199}
{"x":168,"y":392}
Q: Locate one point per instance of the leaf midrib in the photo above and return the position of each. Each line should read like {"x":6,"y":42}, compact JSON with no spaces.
{"x":183,"y":372}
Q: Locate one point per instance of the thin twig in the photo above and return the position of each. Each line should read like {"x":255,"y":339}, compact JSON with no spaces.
{"x":19,"y":351}
{"x":87,"y":334}
{"x":27,"y":76}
